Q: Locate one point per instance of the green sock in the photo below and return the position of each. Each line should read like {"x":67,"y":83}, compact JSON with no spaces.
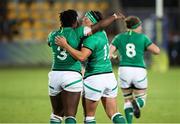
{"x":118,"y":119}
{"x":140,"y":102}
{"x":70,"y":120}
{"x":129,"y":114}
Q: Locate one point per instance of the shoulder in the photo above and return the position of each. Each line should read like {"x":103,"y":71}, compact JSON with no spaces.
{"x":51,"y":36}
{"x":96,"y":36}
{"x":68,"y":30}
{"x":145,"y":37}
{"x":50,"y":39}
{"x":79,"y":29}
{"x":99,"y":34}
{"x":142,"y":35}
{"x":60,"y":32}
{"x":118,"y":36}
{"x":52,"y":33}
{"x":93,"y":37}
{"x":68,"y":33}
{"x":90,"y":40}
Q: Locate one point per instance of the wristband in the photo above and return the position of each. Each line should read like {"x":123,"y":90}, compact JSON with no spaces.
{"x":115,"y":15}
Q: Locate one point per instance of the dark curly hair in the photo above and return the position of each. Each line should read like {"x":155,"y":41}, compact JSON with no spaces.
{"x":68,"y":18}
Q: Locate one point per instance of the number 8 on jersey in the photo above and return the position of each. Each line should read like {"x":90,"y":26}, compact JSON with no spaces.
{"x":130,"y":50}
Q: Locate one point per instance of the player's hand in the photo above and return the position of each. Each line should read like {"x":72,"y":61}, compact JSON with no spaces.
{"x":119,"y":15}
{"x":61,"y":41}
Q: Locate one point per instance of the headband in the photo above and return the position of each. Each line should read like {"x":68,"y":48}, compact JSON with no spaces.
{"x":91,"y":17}
{"x":136,"y":25}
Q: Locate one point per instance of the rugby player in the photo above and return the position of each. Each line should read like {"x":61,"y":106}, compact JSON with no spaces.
{"x":131,"y":46}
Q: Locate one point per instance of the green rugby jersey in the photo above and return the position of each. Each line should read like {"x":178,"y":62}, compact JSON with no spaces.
{"x":131,"y":47}
{"x":98,"y":61}
{"x":62,"y":60}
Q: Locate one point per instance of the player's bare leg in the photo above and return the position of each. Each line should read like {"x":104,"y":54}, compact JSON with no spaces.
{"x":128,"y":108}
{"x":110,"y":106}
{"x":70,"y":104}
{"x":89,"y":110}
{"x":139,"y":101}
{"x":57,"y":108}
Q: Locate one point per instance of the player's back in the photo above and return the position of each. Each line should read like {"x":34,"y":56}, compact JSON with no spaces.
{"x":62,"y":60}
{"x":131,"y":46}
{"x":98,"y":61}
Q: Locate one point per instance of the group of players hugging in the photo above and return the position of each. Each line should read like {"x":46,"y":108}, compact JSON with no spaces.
{"x":74,"y":43}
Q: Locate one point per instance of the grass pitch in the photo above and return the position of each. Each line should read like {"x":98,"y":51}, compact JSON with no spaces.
{"x":24,"y":97}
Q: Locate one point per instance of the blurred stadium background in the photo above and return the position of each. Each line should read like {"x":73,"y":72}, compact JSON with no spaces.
{"x":25,"y":58}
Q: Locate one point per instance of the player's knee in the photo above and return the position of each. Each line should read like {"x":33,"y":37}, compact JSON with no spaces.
{"x":128,"y":97}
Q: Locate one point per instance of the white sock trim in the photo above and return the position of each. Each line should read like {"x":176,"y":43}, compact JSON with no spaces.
{"x":118,"y":113}
{"x":128,"y":105}
{"x":89,"y":118}
{"x":53,"y":116}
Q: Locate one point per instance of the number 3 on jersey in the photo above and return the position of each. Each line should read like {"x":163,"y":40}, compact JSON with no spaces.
{"x":130,"y":50}
{"x":62,"y":54}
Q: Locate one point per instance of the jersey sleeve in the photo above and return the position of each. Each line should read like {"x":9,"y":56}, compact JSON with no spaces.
{"x":115,"y":41}
{"x":89,"y":43}
{"x":147,"y":41}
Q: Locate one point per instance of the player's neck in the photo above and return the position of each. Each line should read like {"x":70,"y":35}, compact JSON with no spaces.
{"x":136,"y":30}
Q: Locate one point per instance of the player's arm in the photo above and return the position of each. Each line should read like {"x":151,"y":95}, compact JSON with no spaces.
{"x":112,"y":50}
{"x":78,"y":55}
{"x":113,"y":47}
{"x":104,"y":23}
{"x":154,"y":49}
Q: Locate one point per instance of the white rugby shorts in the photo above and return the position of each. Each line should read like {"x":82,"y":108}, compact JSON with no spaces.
{"x":132,"y":77}
{"x":64,"y":80}
{"x":101,"y":85}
